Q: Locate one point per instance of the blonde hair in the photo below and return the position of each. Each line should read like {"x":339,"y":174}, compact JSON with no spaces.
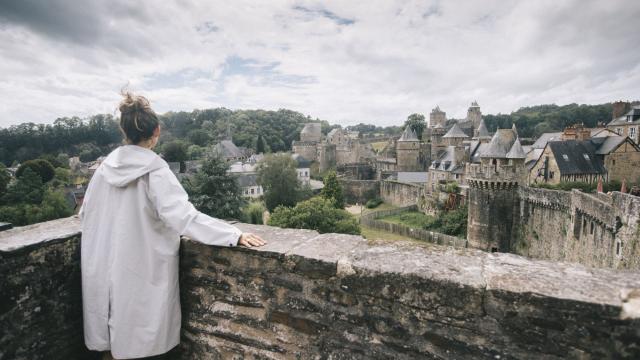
{"x":137,"y":120}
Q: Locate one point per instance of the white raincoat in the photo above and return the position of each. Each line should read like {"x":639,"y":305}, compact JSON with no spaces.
{"x":133,"y":214}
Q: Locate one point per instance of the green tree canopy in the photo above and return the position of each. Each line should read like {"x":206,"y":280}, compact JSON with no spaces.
{"x":316,"y":213}
{"x":278,"y":177}
{"x":332,"y":190}
{"x":4,"y":179}
{"x":213,"y":191}
{"x":175,"y":150}
{"x":417,"y":123}
{"x":39,"y":166}
{"x":26,"y":189}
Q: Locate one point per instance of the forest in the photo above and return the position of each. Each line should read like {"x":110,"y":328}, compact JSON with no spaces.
{"x":97,"y":135}
{"x":535,"y":120}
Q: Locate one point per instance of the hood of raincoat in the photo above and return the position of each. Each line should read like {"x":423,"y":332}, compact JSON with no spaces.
{"x":129,"y":162}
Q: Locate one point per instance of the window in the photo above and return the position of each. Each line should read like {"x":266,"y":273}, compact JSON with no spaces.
{"x":619,"y":131}
{"x":252,"y":191}
{"x":613,"y":162}
{"x":632,"y":133}
{"x":550,"y":174}
{"x":565,"y":157}
{"x":592,"y":227}
{"x":586,"y":157}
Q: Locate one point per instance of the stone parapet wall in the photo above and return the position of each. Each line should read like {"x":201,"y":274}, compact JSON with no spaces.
{"x":40,"y":293}
{"x":401,"y":194}
{"x":307,"y":295}
{"x":360,"y":191}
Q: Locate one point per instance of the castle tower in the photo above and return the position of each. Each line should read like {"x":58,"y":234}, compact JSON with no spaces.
{"x":474,"y":114}
{"x":493,"y":195}
{"x":437,"y":117}
{"x":455,"y":136}
{"x":438,"y":143}
{"x":482,"y":133}
{"x":408,"y":152}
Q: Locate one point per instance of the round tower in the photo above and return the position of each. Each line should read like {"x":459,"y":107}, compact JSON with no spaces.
{"x":408,"y":152}
{"x":493,"y":195}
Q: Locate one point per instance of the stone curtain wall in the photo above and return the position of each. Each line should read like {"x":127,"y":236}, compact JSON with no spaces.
{"x":307,"y":295}
{"x":371,"y":220}
{"x":40,"y":293}
{"x":360,"y":191}
{"x":400,"y":194}
{"x":578,"y":227}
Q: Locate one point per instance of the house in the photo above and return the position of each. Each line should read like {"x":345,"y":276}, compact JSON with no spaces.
{"x":627,"y":124}
{"x":610,"y":157}
{"x":229,"y":151}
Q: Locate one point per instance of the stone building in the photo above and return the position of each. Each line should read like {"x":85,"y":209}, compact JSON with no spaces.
{"x":337,"y":148}
{"x":474,"y":115}
{"x":608,"y":157}
{"x":627,"y":124}
{"x":492,"y":196}
{"x":408,"y":154}
{"x":437,"y":118}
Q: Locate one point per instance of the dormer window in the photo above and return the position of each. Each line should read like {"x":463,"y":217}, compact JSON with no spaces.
{"x":565,"y":157}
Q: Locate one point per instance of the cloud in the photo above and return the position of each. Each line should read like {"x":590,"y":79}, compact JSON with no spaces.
{"x":346,"y":62}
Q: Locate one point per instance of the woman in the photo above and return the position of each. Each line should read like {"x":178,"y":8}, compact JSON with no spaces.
{"x":133,"y":214}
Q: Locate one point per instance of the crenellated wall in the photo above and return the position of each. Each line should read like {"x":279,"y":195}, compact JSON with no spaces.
{"x":307,"y":295}
{"x":598,"y":230}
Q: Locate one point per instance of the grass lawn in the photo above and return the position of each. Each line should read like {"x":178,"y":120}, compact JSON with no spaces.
{"x":414,"y":219}
{"x":375,"y":234}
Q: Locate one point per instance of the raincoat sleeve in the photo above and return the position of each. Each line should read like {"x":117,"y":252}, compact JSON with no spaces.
{"x":173,"y":207}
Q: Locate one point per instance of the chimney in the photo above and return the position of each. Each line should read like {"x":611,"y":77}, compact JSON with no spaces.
{"x":620,"y":108}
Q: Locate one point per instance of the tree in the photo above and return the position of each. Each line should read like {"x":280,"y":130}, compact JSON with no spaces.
{"x":260,"y":145}
{"x":4,"y":179}
{"x":27,"y":189}
{"x":332,"y":190}
{"x":213,"y":191}
{"x":417,"y":123}
{"x":41,"y":167}
{"x":199,"y":137}
{"x":316,"y":213}
{"x":278,"y":177}
{"x":175,"y":151}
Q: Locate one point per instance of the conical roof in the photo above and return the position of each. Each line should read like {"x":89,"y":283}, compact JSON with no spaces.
{"x":513,"y":127}
{"x":455,"y":132}
{"x":482,"y":130}
{"x":516,"y":152}
{"x":408,"y":135}
{"x":500,"y":144}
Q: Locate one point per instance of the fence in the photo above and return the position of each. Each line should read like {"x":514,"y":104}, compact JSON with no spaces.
{"x":371,"y":220}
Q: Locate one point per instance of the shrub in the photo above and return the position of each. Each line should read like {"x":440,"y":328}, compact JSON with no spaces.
{"x":252,"y":213}
{"x":316,"y":213}
{"x":374,"y":203}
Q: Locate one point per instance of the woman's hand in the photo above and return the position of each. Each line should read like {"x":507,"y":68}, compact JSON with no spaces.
{"x":250,"y":240}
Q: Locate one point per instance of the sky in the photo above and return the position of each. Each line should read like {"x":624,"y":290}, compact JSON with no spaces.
{"x":343,"y":61}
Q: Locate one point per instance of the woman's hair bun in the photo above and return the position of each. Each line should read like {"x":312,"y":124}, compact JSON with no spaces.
{"x":137,"y":120}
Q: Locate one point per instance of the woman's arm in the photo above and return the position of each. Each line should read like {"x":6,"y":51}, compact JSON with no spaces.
{"x":172,"y":205}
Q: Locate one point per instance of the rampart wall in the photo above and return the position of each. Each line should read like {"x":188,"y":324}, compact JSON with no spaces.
{"x":307,"y":295}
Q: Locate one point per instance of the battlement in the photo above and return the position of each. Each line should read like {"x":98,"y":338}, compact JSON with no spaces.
{"x":308,"y":295}
{"x":487,"y":175}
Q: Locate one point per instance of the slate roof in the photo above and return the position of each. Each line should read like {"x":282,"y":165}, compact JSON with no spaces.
{"x":446,"y":161}
{"x":576,"y":157}
{"x":545,"y":138}
{"x":408,"y":135}
{"x":455,"y":132}
{"x":228,"y":149}
{"x":412,"y":177}
{"x":482,"y":130}
{"x":607,"y":144}
{"x":246,"y":180}
{"x":311,"y":128}
{"x":634,"y":114}
{"x":500,"y":144}
{"x":516,"y":151}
